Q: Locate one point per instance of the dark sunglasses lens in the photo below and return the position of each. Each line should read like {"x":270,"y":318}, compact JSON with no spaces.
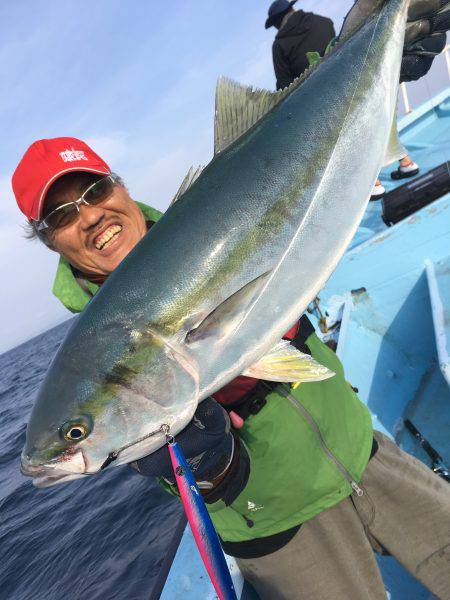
{"x":99,"y":192}
{"x":96,"y":194}
{"x":62,"y":217}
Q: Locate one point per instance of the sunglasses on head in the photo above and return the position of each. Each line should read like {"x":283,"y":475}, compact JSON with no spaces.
{"x":67,"y":213}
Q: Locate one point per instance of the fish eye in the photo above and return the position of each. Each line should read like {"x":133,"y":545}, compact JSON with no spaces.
{"x":74,"y":431}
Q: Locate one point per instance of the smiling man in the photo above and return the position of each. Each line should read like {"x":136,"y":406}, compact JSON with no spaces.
{"x":79,"y":209}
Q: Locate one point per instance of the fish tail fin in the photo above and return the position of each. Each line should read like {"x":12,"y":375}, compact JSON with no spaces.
{"x":359,"y":14}
{"x":418,"y":9}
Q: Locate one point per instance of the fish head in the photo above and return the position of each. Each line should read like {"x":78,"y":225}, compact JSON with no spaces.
{"x":82,"y":422}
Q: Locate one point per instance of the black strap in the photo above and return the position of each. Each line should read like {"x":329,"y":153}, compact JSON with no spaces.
{"x":305,"y":329}
{"x":235,"y":479}
{"x":374,"y":448}
{"x":255,"y":548}
{"x":254,"y":400}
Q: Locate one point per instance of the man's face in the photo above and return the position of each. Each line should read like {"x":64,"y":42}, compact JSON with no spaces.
{"x":101,"y":235}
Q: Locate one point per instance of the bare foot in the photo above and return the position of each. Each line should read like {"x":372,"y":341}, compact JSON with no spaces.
{"x":405,"y":161}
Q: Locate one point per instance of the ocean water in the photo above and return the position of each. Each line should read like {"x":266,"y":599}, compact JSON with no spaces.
{"x":101,"y":537}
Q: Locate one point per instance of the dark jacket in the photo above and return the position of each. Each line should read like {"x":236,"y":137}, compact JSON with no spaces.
{"x":303,"y":32}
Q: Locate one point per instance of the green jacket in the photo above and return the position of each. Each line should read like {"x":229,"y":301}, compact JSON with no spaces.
{"x":305,"y":450}
{"x":303,"y":457}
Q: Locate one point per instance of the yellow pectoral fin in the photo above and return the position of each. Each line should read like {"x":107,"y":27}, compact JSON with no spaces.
{"x":285,"y":363}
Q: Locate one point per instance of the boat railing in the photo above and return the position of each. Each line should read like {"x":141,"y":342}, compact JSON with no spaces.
{"x":404,"y":88}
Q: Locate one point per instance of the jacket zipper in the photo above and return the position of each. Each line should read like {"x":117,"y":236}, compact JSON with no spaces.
{"x":355,"y":487}
{"x":248,"y":522}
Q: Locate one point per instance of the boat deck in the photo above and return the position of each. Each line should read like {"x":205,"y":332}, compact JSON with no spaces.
{"x":425,"y":133}
{"x":391,"y":294}
{"x":394,"y":337}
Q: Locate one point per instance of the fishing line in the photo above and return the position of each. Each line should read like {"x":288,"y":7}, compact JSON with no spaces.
{"x":112,"y":456}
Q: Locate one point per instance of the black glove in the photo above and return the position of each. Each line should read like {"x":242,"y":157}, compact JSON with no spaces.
{"x":217,"y":458}
{"x":425,"y":37}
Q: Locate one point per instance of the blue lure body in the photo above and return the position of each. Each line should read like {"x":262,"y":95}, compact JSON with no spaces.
{"x":202,"y":527}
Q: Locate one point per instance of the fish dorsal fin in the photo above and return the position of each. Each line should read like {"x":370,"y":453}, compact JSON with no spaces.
{"x":224,"y":319}
{"x":191,"y":176}
{"x":238,"y":108}
{"x":395,"y":150}
{"x":287,"y":364}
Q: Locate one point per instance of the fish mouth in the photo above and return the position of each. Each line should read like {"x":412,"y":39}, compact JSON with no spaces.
{"x":48,"y":474}
{"x":45,"y":481}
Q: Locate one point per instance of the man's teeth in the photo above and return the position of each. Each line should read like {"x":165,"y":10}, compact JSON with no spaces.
{"x":107,"y":235}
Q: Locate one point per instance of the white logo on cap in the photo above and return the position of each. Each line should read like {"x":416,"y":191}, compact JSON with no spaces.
{"x":71,"y":155}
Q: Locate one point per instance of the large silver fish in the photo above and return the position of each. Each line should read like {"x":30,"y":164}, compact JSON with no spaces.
{"x":210,"y":290}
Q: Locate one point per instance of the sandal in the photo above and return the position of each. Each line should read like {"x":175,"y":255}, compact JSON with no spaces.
{"x":404,"y":172}
{"x":378,"y":191}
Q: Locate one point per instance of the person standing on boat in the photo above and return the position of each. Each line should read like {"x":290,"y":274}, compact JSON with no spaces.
{"x":301,"y":35}
{"x":299,"y":32}
{"x":300,"y":488}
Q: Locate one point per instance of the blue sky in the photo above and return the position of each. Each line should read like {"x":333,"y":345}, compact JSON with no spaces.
{"x":136,"y":81}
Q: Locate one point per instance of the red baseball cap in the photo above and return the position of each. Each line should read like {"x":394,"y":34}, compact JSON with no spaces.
{"x":43,"y":163}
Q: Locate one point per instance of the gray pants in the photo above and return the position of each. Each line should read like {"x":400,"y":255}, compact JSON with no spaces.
{"x":405,"y":509}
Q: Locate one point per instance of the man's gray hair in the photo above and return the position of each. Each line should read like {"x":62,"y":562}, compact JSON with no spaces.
{"x":31,"y":231}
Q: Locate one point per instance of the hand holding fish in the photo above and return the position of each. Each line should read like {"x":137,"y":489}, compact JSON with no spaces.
{"x":217,"y":459}
{"x":425,"y":33}
{"x":425,"y":37}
